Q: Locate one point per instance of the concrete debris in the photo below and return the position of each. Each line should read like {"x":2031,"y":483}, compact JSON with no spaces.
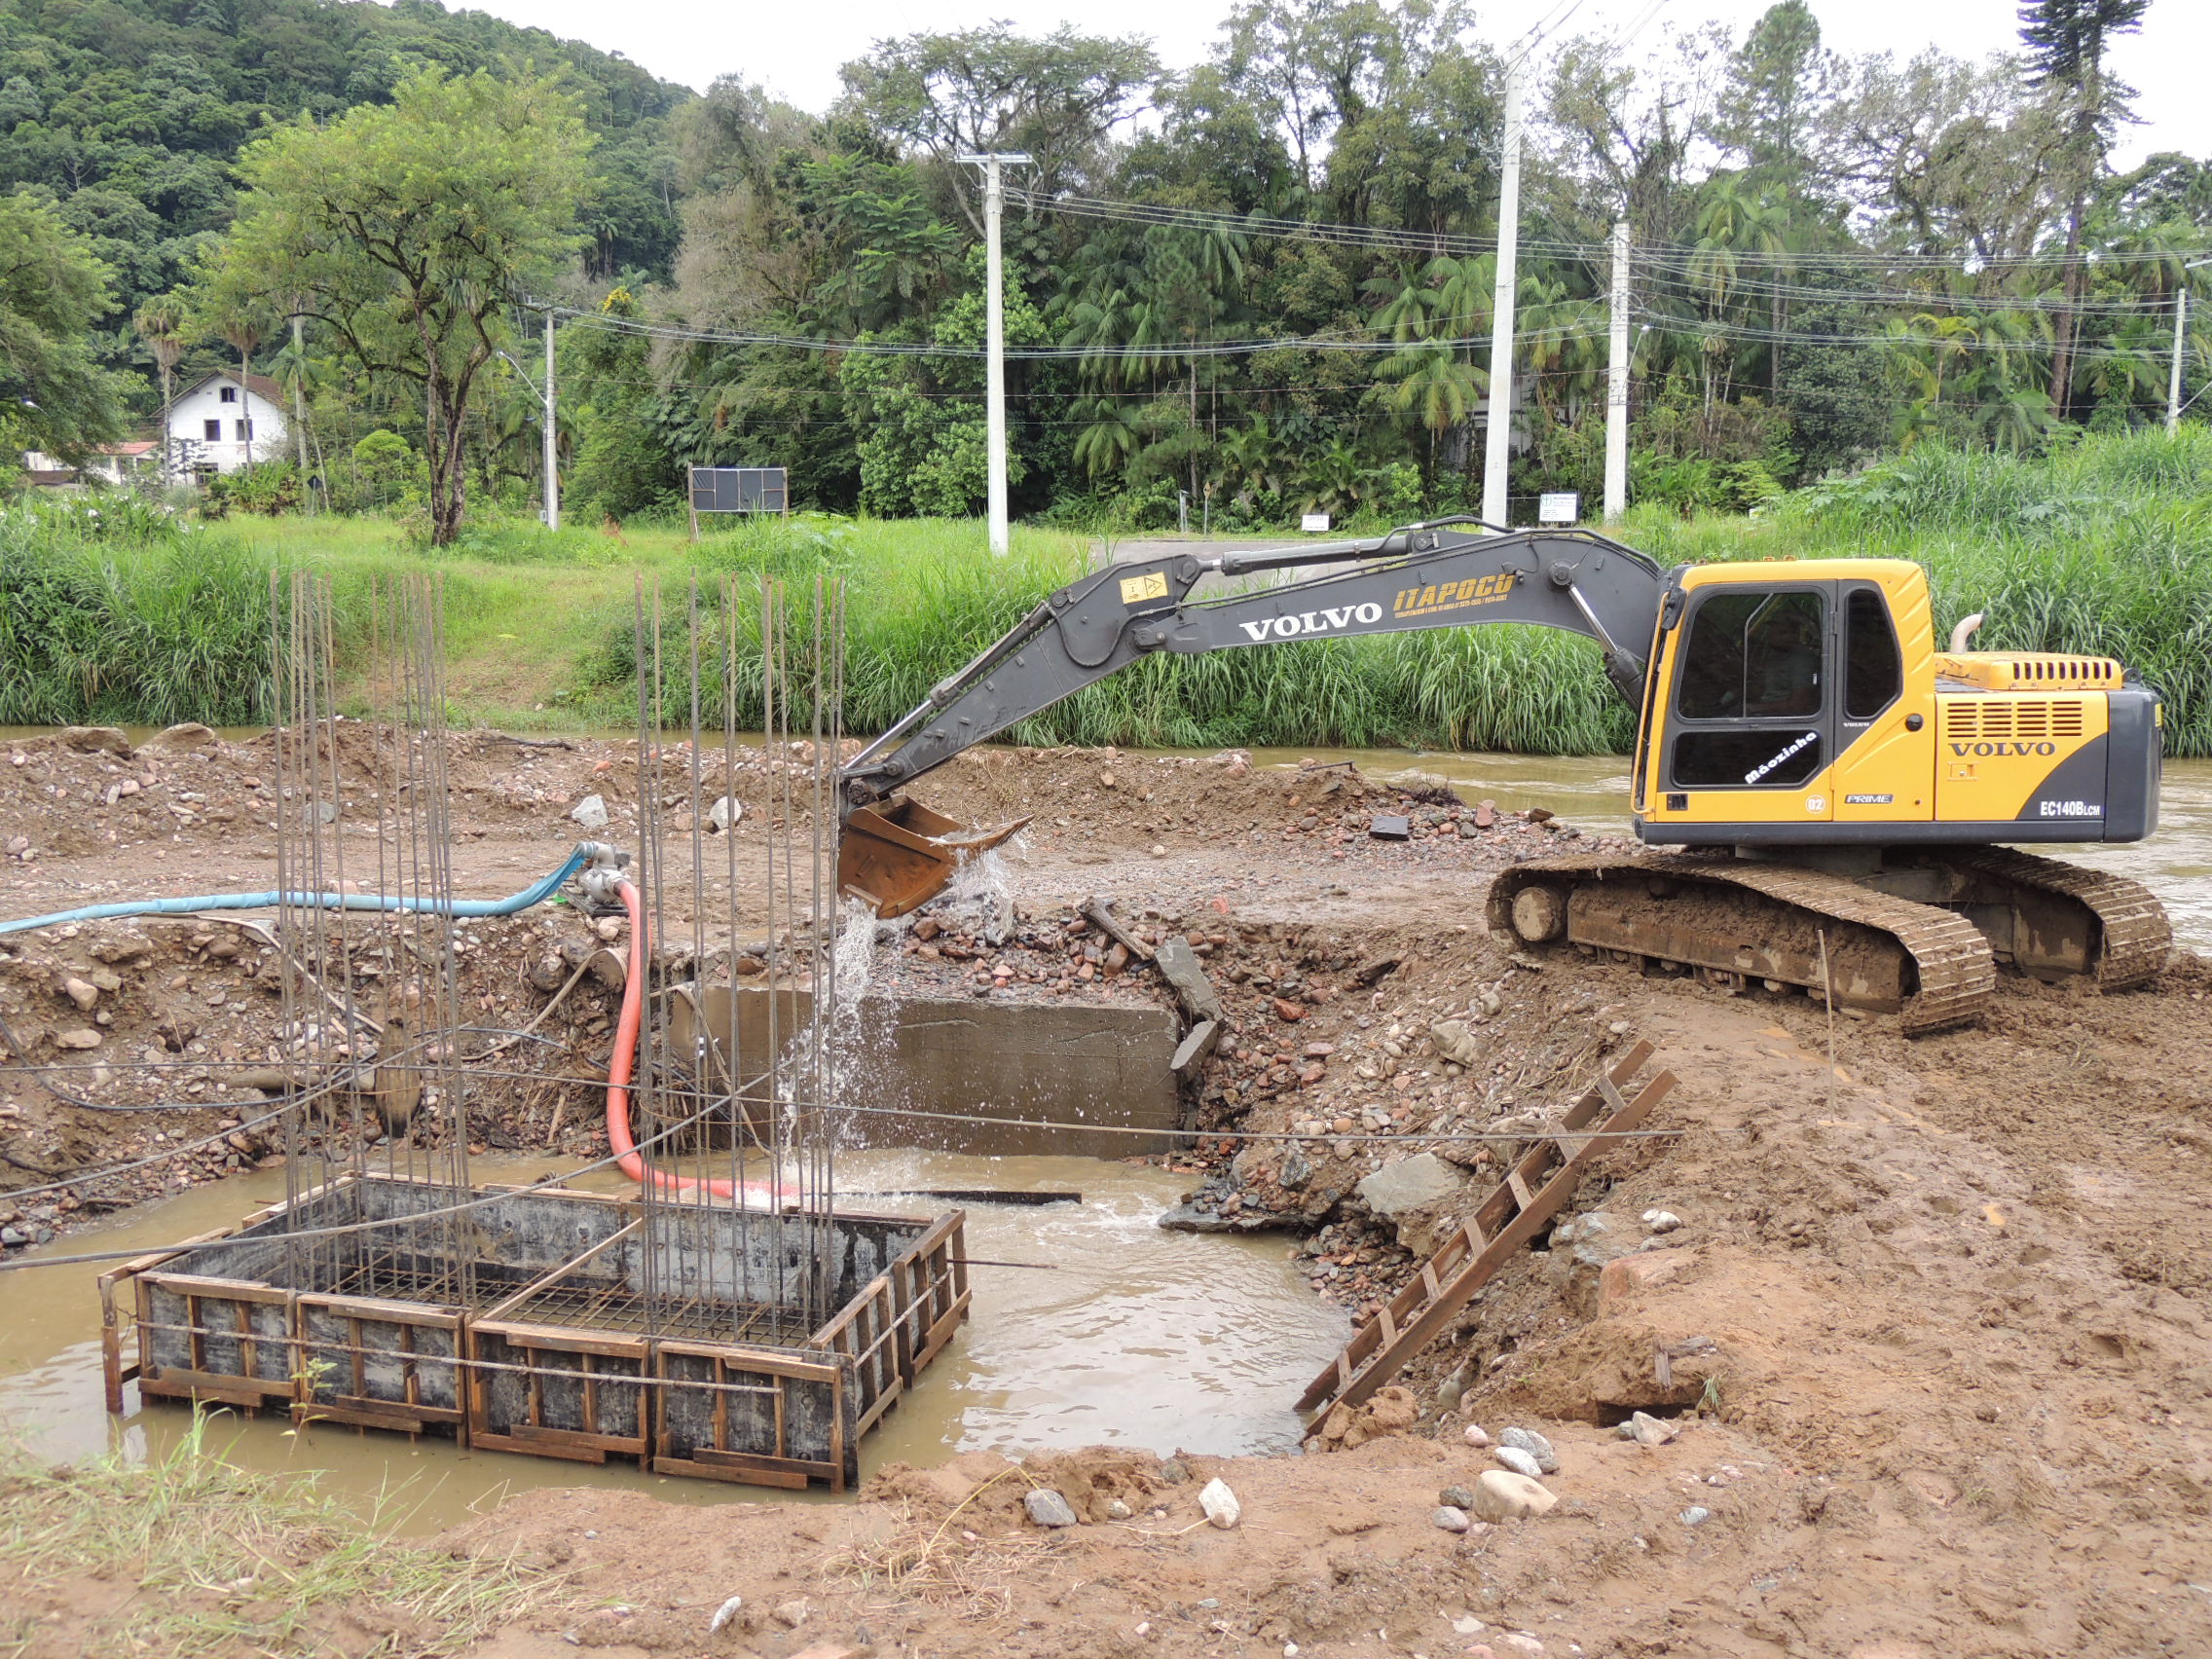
{"x":83,"y":1037}
{"x":1452,"y":1518}
{"x":1661,"y":1221}
{"x":1536,"y":1445}
{"x":590,"y":812}
{"x":1402,"y":1186}
{"x":81,"y":993}
{"x":1455,"y":1043}
{"x":1048,"y":1508}
{"x":95,"y":740}
{"x":723,"y":813}
{"x":1503,"y":1496}
{"x":1179,"y":966}
{"x":1518,"y":1461}
{"x":186,"y":735}
{"x":1647,"y":1430}
{"x":1390,"y":827}
{"x":1220,"y":1504}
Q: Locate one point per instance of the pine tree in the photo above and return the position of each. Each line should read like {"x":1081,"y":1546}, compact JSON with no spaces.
{"x":2066,"y":41}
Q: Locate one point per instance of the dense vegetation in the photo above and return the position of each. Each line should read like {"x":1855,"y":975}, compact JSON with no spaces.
{"x":1262,"y":283}
{"x":2105,"y":546}
{"x":126,"y":117}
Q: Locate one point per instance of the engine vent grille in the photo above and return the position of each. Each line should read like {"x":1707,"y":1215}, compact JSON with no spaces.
{"x":2009,"y":717}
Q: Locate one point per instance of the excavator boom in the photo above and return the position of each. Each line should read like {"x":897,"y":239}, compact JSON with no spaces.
{"x":898,"y":853}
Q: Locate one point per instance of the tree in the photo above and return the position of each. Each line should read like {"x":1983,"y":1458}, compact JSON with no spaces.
{"x":989,"y":89}
{"x":53,"y":396}
{"x":1778,"y":81}
{"x":160,"y":322}
{"x":407,"y":233}
{"x":2066,"y":41}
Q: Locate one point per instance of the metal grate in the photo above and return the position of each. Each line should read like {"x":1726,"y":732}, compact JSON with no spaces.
{"x":2010,"y":718}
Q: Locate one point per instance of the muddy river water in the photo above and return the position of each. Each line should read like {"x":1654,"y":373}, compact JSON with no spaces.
{"x":1120,"y":1333}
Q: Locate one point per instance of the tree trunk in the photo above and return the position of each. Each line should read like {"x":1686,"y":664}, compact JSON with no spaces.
{"x":2062,"y":337}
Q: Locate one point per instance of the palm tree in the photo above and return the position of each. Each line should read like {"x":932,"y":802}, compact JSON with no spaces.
{"x":160,"y":322}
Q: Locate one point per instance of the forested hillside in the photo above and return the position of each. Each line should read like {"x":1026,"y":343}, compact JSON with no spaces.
{"x":128,"y":113}
{"x":1261,"y":285}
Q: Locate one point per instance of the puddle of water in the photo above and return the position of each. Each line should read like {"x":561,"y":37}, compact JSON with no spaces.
{"x":1124,"y":1335}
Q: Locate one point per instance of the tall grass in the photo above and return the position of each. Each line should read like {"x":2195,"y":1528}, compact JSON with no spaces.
{"x":2103,"y":546}
{"x":223,"y":1562}
{"x":146,"y":625}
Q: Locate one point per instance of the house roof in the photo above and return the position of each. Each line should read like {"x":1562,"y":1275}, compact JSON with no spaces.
{"x":261,"y":385}
{"x":147,"y":447}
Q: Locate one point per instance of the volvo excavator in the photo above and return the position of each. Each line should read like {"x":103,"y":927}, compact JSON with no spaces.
{"x":1847,"y":797}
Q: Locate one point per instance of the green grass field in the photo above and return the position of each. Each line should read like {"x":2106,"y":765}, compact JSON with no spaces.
{"x":2105,"y":546}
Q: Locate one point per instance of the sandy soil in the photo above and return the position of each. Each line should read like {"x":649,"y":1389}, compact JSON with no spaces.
{"x":1936,"y":1316}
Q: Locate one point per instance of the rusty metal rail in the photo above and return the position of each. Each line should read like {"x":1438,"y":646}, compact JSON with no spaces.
{"x":1534,"y":1187}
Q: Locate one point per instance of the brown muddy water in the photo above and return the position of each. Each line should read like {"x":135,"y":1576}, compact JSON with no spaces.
{"x":1121,"y":1335}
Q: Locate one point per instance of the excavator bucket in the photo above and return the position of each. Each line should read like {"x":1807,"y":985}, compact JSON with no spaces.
{"x":898,"y":855}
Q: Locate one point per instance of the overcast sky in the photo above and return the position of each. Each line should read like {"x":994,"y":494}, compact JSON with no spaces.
{"x":796,"y":52}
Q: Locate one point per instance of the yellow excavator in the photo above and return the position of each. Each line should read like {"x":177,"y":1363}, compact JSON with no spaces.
{"x":1849,"y":796}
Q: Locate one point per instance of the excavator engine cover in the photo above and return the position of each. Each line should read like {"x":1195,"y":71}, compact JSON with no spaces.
{"x":898,"y":855}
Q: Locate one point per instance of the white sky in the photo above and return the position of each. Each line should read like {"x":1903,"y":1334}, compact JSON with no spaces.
{"x":796,"y":53}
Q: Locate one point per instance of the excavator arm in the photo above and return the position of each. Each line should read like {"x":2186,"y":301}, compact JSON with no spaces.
{"x":1448,"y":573}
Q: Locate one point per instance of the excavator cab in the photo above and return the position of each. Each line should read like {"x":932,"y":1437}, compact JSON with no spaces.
{"x":897,"y":854}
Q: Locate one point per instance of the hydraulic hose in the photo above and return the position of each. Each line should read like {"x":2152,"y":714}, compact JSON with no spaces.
{"x":619,"y":1065}
{"x":535,"y":894}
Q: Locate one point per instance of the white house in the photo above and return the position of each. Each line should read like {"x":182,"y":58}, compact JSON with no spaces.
{"x":223,"y":421}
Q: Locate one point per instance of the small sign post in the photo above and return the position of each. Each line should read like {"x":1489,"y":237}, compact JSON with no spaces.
{"x":1314,"y":524}
{"x":1561,"y":508}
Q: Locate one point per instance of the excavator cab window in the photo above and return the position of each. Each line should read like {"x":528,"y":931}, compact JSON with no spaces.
{"x":1873,"y":669}
{"x":1757,"y":665}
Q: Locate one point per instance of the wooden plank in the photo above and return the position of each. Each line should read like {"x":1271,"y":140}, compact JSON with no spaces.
{"x":755,"y":1468}
{"x":760,"y":1361}
{"x":534,"y":1435}
{"x":1519,"y":1188}
{"x":428,"y":1315}
{"x":486,"y":1440}
{"x":367,"y":1413}
{"x":943,"y":1331}
{"x":1331,"y":1388}
{"x":180,"y":1384}
{"x":560,"y":1339}
{"x":217,"y":1289}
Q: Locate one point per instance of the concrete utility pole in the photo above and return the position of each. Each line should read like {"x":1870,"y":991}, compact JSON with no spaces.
{"x":552,"y":438}
{"x":994,"y":404}
{"x":2181,"y":327}
{"x":1617,"y":384}
{"x":1499,"y":431}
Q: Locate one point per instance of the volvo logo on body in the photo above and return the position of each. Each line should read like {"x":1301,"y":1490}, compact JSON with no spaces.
{"x":2003,"y":749}
{"x":1311,"y":622}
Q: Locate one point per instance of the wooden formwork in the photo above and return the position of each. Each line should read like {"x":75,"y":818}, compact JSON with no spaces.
{"x":546,"y":1345}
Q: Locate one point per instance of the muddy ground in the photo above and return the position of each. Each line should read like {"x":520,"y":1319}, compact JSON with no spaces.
{"x":1931,"y":1330}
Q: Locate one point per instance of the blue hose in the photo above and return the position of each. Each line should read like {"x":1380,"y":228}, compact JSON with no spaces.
{"x":535,"y":894}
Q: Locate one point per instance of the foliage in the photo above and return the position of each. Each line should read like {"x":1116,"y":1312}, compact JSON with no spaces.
{"x":174,"y":1525}
{"x":52,"y":288}
{"x":403,"y":229}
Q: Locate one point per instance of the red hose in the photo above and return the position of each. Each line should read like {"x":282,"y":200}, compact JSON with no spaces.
{"x":619,"y":1140}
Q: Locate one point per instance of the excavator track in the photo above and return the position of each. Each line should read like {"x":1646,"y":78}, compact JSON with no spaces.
{"x":1942,"y":971}
{"x":2133,"y":934}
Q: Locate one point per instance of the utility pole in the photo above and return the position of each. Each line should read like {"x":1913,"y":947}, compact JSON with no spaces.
{"x":994,"y":404}
{"x":1617,"y":384}
{"x":1498,"y":431}
{"x":2181,"y":327}
{"x":552,"y":438}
